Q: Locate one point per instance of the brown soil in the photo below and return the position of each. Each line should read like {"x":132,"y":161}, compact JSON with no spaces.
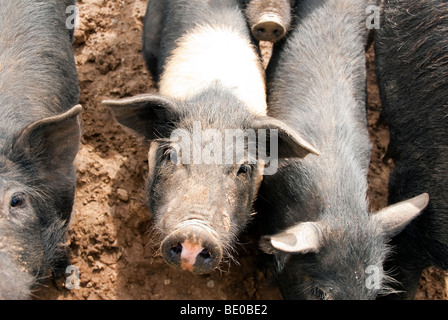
{"x":110,"y":234}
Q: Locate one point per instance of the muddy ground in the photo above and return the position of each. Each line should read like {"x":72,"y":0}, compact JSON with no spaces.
{"x":110,"y":234}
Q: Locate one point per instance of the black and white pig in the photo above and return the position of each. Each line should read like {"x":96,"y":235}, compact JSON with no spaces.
{"x":411,"y":48}
{"x":212,"y":93}
{"x":326,"y":244}
{"x":269,"y":20}
{"x":39,"y":138}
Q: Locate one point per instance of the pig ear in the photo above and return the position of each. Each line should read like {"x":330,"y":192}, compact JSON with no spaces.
{"x":142,"y":112}
{"x":301,"y":238}
{"x":290,"y":142}
{"x":54,"y":139}
{"x":394,"y":218}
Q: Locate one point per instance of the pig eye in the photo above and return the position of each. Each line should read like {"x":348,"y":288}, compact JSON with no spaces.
{"x":244,"y":169}
{"x":17,"y":201}
{"x":319,"y":294}
{"x":173,"y":156}
{"x":170,"y":154}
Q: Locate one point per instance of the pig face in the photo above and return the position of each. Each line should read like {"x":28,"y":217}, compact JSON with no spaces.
{"x":347,"y":266}
{"x":337,"y":259}
{"x":199,"y":197}
{"x":37,"y":183}
{"x":21,"y":246}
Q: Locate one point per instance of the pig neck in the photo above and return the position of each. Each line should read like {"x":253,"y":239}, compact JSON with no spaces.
{"x":319,"y":88}
{"x":209,"y":51}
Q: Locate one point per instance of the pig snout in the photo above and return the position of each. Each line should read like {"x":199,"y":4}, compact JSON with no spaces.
{"x":192,"y":248}
{"x":268,"y":29}
{"x":269,"y":20}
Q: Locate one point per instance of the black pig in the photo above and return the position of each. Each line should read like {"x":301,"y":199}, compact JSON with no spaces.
{"x":411,"y":48}
{"x":39,"y":138}
{"x":325,"y":243}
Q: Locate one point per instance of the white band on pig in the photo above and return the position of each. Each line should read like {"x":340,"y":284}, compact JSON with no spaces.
{"x":215,"y":54}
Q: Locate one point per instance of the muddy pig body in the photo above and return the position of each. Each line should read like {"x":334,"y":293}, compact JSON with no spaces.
{"x":212,"y":95}
{"x":326,"y":245}
{"x":39,"y":138}
{"x":411,"y":49}
{"x":269,"y":20}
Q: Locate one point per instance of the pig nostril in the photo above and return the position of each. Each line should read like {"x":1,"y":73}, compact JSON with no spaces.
{"x":177,"y":249}
{"x":191,"y":249}
{"x":205,"y":254}
{"x":261,"y":31}
{"x":276,"y":32}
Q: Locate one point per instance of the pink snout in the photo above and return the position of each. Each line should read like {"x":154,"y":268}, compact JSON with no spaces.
{"x":192,"y":248}
{"x":268,"y":31}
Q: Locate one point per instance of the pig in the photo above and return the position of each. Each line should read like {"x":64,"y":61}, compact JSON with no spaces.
{"x":39,"y":139}
{"x":211,"y":83}
{"x":269,"y":20}
{"x":411,"y":49}
{"x":324,"y":241}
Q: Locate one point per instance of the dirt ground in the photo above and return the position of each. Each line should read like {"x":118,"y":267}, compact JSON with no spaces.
{"x":110,"y":234}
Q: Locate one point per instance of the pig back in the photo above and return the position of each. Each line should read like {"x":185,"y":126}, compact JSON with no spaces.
{"x":37,"y":69}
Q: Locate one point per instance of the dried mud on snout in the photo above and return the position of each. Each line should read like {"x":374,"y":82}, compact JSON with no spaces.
{"x":110,"y":235}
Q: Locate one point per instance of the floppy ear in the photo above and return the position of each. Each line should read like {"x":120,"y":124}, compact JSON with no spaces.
{"x":290,"y":142}
{"x":301,"y":238}
{"x":394,"y":218}
{"x":54,"y":140}
{"x":141,"y":113}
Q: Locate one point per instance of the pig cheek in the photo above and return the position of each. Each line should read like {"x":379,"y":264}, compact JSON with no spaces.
{"x":237,"y":202}
{"x":164,"y":195}
{"x":165,"y":222}
{"x":152,"y":157}
{"x":258,"y":176}
{"x":226,"y":221}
